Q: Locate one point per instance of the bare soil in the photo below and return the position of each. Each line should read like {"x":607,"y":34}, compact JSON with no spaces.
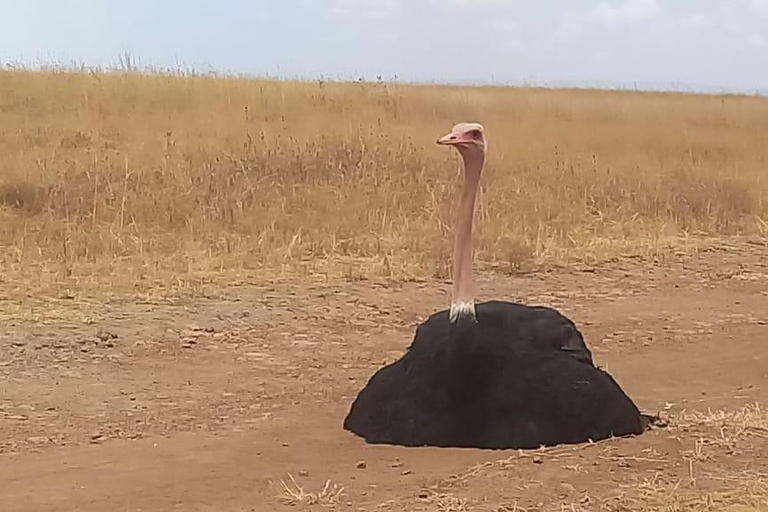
{"x":235,"y":403}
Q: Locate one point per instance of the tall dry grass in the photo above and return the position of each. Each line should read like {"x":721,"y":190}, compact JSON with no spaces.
{"x":122,"y":180}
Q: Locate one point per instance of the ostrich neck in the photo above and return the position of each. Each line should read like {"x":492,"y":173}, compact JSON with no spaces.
{"x":462,"y":302}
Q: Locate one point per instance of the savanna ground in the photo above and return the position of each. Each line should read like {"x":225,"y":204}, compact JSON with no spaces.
{"x":200,"y":273}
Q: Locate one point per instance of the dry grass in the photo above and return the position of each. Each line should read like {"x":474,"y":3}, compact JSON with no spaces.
{"x":751,"y":420}
{"x":294,"y":494}
{"x":747,"y":493}
{"x":717,"y":474}
{"x":160,"y":182}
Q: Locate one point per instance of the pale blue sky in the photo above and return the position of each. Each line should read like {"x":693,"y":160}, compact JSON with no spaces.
{"x":700,"y":43}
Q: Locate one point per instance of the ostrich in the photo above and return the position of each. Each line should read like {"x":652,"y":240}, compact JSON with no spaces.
{"x":492,"y":375}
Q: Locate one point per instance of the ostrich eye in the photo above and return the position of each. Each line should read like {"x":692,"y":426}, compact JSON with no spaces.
{"x":475,"y":134}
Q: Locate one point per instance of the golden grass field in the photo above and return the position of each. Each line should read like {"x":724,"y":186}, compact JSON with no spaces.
{"x":158,"y":182}
{"x":118,"y":186}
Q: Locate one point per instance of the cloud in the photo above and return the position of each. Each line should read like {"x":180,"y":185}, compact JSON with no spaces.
{"x":757,"y":40}
{"x":465,"y":3}
{"x":364,"y":8}
{"x":698,"y":20}
{"x":732,"y":28}
{"x":744,"y":36}
{"x":514,"y":45}
{"x":502,"y":25}
{"x":386,"y":37}
{"x":759,"y":6}
{"x":601,"y":56}
{"x":627,"y":12}
{"x":569,"y":29}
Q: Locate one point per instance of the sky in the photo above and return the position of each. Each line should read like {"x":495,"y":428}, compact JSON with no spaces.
{"x":679,"y":44}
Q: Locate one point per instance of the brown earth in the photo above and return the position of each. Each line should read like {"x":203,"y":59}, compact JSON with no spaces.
{"x":235,"y":403}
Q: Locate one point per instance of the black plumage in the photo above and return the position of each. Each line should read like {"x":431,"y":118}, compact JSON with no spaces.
{"x":515,"y":376}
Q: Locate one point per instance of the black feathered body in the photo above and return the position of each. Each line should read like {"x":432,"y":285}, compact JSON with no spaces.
{"x":518,"y":377}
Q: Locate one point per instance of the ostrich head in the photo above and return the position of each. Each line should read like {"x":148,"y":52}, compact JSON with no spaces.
{"x":468,"y":139}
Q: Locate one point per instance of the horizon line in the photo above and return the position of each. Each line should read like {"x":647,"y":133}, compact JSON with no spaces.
{"x":129,"y":64}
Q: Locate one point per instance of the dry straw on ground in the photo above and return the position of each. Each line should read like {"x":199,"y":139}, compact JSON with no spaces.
{"x":294,"y":494}
{"x":720,"y":481}
{"x":159,"y":181}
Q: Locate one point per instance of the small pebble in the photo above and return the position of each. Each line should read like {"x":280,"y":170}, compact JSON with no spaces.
{"x":537,"y":460}
{"x":362,"y":465}
{"x":303,"y":473}
{"x":405,"y":472}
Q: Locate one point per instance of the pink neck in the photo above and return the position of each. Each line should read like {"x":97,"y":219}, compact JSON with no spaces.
{"x":462,"y":293}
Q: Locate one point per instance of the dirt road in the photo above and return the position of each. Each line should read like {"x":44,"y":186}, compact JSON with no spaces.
{"x":207,"y":405}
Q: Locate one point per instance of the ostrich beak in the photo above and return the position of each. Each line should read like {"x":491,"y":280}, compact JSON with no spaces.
{"x":450,"y":140}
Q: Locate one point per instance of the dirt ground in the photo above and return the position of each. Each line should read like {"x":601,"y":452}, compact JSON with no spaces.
{"x":236,"y":403}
